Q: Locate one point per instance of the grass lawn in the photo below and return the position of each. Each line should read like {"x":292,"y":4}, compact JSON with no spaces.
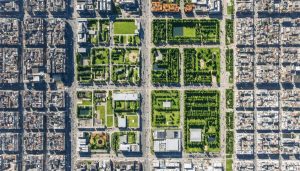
{"x":101,"y":111}
{"x":229,"y":164}
{"x":230,"y":7}
{"x":189,"y":32}
{"x":131,"y":137}
{"x":86,"y":102}
{"x":110,"y":121}
{"x":124,"y":27}
{"x":109,"y":106}
{"x":132,"y":121}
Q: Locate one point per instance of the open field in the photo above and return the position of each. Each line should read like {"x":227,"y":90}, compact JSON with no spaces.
{"x":124,"y":27}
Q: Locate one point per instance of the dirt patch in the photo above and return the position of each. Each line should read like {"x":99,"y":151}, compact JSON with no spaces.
{"x":133,"y":57}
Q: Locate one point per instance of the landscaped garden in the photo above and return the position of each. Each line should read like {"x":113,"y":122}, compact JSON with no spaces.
{"x":84,"y":105}
{"x":165,"y":108}
{"x":159,"y":31}
{"x":229,"y":64}
{"x":98,"y":31}
{"x":100,"y":64}
{"x":93,"y":66}
{"x":132,"y":137}
{"x":229,"y":120}
{"x":176,"y":31}
{"x":98,"y":141}
{"x":126,"y":66}
{"x":202,"y":65}
{"x":202,"y":117}
{"x":102,"y":110}
{"x":166,"y":66}
{"x":229,"y":31}
{"x":229,"y":98}
{"x":229,"y":142}
{"x":84,"y":69}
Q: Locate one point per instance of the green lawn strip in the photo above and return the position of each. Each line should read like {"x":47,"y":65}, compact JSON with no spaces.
{"x":102,"y":116}
{"x":109,"y":121}
{"x":109,"y":104}
{"x":229,"y":164}
{"x":230,"y":7}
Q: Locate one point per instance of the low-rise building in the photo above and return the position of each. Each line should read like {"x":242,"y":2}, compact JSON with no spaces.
{"x":9,"y":120}
{"x":56,"y":120}
{"x":33,"y":141}
{"x":167,"y":141}
{"x":55,"y":141}
{"x":33,"y":120}
{"x":207,"y":6}
{"x":33,"y":162}
{"x":9,"y":142}
{"x":9,"y":162}
{"x":244,"y":143}
{"x":9,"y":31}
{"x":9,"y":99}
{"x":166,"y":165}
{"x":267,"y":143}
{"x":128,"y":165}
{"x":9,"y":66}
{"x":55,"y":99}
{"x":34,"y":31}
{"x":33,"y":99}
{"x":56,"y":162}
{"x":10,"y":6}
